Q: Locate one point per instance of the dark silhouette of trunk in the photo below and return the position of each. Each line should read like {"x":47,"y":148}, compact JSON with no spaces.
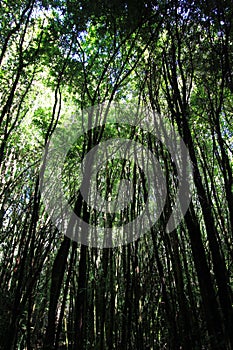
{"x":57,"y":277}
{"x":80,"y":302}
{"x":166,"y":300}
{"x":210,"y":305}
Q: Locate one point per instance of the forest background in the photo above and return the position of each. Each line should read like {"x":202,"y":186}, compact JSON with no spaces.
{"x":164,"y":290}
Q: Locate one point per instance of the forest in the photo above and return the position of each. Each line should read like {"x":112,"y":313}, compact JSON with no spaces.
{"x":116,"y":175}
